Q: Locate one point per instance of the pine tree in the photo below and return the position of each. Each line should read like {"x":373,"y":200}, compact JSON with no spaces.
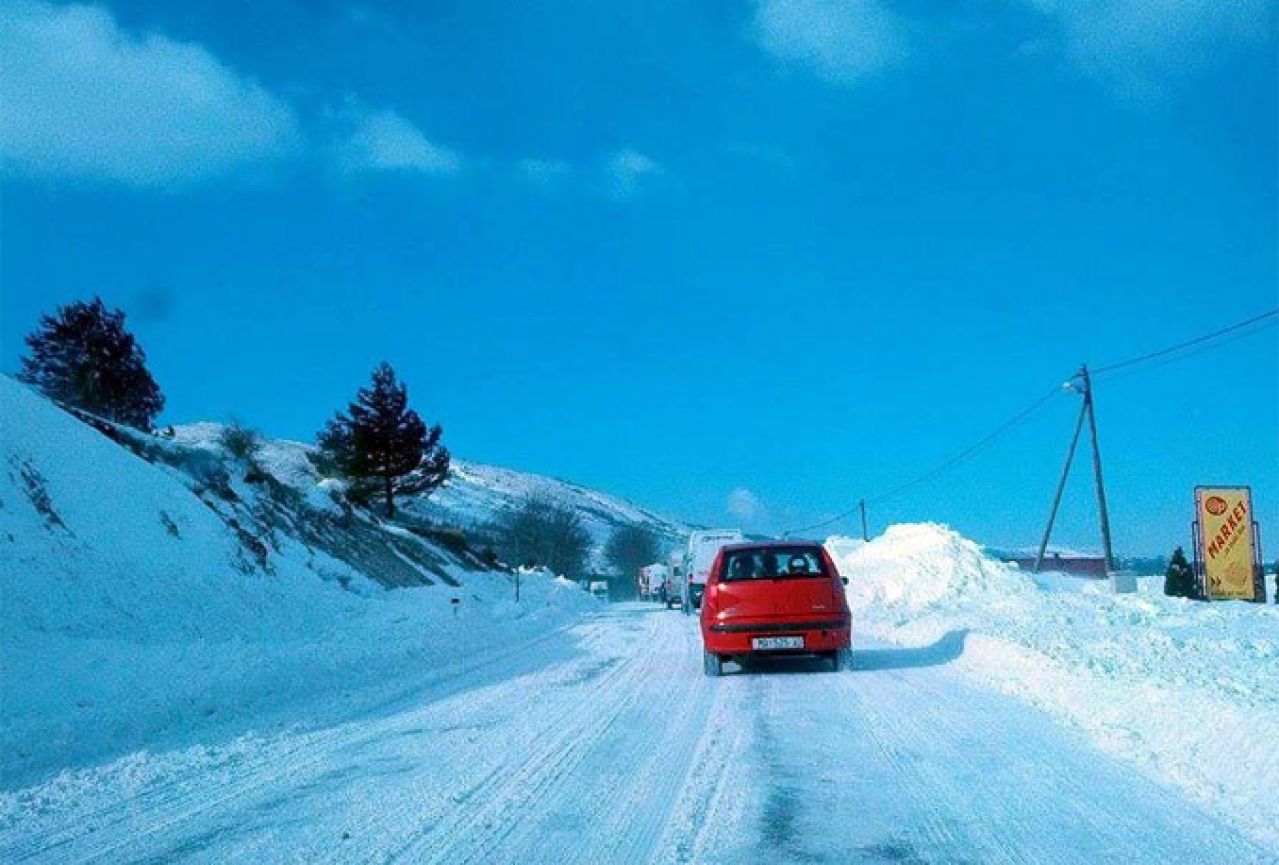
{"x":83,"y":356}
{"x":1179,"y":580}
{"x":380,"y":440}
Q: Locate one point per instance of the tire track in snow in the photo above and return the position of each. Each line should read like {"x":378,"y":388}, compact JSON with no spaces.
{"x":393,"y":823}
{"x":185,"y":797}
{"x":711,"y":807}
{"x":891,"y":731}
{"x":499,"y":826}
{"x":1011,"y":786}
{"x":557,"y":764}
{"x":630,"y":780}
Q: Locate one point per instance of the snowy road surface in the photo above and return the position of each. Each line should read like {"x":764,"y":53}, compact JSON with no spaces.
{"x":605,"y":743}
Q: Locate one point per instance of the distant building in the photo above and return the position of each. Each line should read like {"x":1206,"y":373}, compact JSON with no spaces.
{"x":1076,"y":565}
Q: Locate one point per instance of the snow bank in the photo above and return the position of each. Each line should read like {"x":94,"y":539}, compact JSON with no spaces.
{"x":1187,"y":691}
{"x":133,"y":615}
{"x":914,"y":567}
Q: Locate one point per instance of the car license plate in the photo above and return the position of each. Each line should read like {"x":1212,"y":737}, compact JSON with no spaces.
{"x":777,"y":643}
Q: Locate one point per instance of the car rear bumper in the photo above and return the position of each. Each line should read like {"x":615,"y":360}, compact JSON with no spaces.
{"x":736,"y":638}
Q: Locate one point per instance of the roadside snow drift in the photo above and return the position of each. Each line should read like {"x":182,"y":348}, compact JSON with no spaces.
{"x":141,"y":604}
{"x":1188,"y":691}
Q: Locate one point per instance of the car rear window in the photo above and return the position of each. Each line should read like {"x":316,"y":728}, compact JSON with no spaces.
{"x":772,"y":563}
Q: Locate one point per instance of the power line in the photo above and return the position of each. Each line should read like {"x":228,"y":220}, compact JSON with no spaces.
{"x":970,"y":451}
{"x":1008,"y":425}
{"x":1196,"y":341}
{"x":1234,"y":337}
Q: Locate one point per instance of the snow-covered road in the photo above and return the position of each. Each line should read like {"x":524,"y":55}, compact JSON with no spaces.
{"x":604,"y":743}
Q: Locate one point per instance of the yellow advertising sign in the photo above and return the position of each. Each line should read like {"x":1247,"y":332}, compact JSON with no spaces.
{"x":1226,"y":542}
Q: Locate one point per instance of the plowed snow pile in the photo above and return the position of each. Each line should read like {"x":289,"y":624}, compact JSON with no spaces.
{"x":1188,"y":691}
{"x":917,"y":566}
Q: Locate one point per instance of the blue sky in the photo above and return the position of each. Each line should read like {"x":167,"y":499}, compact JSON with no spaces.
{"x":741,"y":262}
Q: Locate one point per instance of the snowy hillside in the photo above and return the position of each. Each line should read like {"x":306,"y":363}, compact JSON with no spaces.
{"x":155,"y":588}
{"x":475,"y":494}
{"x":1187,"y":691}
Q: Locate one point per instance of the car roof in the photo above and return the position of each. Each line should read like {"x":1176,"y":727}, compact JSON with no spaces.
{"x":764,"y":545}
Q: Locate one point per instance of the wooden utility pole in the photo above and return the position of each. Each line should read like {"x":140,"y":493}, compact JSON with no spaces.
{"x":1102,"y":512}
{"x":1089,"y":409}
{"x":862,"y":506}
{"x":1061,"y":487}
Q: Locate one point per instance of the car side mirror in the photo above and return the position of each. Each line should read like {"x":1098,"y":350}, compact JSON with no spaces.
{"x":844,"y":580}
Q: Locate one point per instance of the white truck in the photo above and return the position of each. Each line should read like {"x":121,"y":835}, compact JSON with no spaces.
{"x":698,"y":558}
{"x":672,"y":591}
{"x":652,"y":581}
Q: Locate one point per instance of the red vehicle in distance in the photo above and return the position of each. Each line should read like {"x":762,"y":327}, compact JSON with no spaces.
{"x":774,"y":598}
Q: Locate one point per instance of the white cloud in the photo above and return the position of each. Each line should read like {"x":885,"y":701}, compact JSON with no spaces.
{"x":626,"y":171}
{"x":545,"y":172}
{"x":385,"y":141}
{"x":842,"y":41}
{"x":1138,"y":46}
{"x":745,"y":505}
{"x":79,"y":97}
{"x":621,"y":174}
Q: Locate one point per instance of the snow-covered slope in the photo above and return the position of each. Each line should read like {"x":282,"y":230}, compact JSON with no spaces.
{"x":99,"y":542}
{"x":476,"y":494}
{"x":1186,"y":690}
{"x":152,"y":589}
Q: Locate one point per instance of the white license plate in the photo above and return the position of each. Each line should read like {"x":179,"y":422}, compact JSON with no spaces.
{"x":777,"y":643}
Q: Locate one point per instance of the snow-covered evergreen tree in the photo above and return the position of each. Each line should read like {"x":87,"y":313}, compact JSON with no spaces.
{"x":380,"y":440}
{"x":83,"y":356}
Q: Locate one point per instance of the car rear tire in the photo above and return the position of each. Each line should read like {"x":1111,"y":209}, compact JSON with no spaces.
{"x":712,"y":664}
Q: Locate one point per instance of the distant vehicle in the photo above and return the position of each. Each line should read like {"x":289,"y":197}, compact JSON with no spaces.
{"x":774,"y":598}
{"x":652,"y":581}
{"x":599,"y":588}
{"x":673,"y":589}
{"x":698,"y":558}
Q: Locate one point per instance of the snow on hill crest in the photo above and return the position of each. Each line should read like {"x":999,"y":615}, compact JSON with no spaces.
{"x":474,"y":495}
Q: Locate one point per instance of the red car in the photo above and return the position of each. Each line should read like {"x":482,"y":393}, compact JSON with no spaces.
{"x":774,"y":598}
